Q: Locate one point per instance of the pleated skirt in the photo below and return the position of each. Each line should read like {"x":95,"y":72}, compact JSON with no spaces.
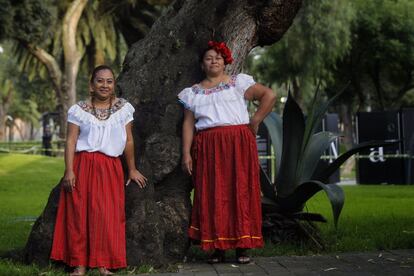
{"x":226,"y":211}
{"x":90,"y":222}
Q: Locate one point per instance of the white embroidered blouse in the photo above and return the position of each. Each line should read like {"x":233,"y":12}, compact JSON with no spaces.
{"x":104,"y":135}
{"x":218,"y":106}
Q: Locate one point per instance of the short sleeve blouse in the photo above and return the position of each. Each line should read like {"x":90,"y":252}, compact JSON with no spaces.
{"x":218,"y":106}
{"x":106,"y":136}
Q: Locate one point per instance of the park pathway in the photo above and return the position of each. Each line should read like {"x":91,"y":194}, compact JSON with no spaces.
{"x":394,"y":262}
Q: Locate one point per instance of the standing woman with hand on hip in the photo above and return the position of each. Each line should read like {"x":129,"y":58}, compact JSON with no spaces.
{"x":90,"y":222}
{"x":219,"y":151}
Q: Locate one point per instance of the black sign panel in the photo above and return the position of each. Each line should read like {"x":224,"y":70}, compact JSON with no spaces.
{"x":377,"y":167}
{"x":407,"y":136}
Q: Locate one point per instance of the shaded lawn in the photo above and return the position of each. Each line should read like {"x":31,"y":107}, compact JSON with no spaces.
{"x":374,"y":217}
{"x":25,"y":184}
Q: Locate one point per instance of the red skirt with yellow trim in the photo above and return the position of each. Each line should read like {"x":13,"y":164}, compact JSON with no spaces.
{"x":90,"y":221}
{"x":226,"y":211}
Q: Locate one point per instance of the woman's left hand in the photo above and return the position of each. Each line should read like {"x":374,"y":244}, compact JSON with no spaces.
{"x":137,"y":177}
{"x":254,"y":126}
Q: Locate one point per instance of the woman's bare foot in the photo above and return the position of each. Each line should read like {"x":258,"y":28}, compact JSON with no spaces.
{"x":78,"y":271}
{"x":103,"y":271}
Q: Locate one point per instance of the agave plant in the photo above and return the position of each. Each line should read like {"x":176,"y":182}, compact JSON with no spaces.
{"x":298,"y":176}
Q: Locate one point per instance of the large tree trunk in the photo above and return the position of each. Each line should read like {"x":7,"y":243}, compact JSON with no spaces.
{"x":345,"y":115}
{"x":70,"y":50}
{"x":155,"y":70}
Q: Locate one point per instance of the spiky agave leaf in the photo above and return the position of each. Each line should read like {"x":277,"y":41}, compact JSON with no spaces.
{"x":317,"y":145}
{"x":324,"y":174}
{"x":293,"y":129}
{"x":316,"y":114}
{"x":274,"y":125}
{"x":296,"y":201}
{"x":267,"y":188}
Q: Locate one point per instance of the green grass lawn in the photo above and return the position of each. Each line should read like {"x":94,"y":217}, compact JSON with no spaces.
{"x":25,"y":184}
{"x":373,"y":218}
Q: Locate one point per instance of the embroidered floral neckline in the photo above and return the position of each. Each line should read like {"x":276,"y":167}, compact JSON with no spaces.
{"x":198,"y":89}
{"x":102,"y":113}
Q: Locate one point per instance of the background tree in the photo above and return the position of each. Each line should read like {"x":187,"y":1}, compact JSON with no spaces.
{"x":59,"y":38}
{"x":22,"y":97}
{"x":380,"y":63}
{"x":156,"y":68}
{"x":320,"y":35}
{"x":32,"y":23}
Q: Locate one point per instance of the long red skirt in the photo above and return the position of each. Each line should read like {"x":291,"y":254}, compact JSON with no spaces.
{"x":226,"y":211}
{"x":90,"y":222}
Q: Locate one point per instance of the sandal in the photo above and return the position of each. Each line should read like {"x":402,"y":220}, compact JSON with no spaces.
{"x":241,"y":255}
{"x":103,"y":271}
{"x":219,"y":256}
{"x":78,"y":271}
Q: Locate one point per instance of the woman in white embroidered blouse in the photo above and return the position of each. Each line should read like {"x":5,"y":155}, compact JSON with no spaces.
{"x":222,"y":156}
{"x":90,"y":223}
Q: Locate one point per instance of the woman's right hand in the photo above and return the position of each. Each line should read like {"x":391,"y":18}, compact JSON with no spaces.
{"x":187,"y":163}
{"x":69,"y":181}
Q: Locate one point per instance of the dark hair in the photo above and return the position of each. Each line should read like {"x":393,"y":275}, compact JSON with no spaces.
{"x":100,"y":68}
{"x":202,"y":54}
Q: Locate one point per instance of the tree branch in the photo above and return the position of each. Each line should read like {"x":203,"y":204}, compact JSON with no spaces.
{"x":70,"y":24}
{"x":51,"y":65}
{"x":70,"y":50}
{"x":274,"y":19}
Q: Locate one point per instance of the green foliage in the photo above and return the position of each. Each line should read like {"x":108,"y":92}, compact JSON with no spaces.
{"x":29,"y":20}
{"x":29,"y":97}
{"x":6,"y":18}
{"x":319,"y":36}
{"x":380,"y":63}
{"x":369,"y":43}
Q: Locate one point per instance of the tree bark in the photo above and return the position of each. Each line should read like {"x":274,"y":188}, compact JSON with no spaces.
{"x":70,"y":50}
{"x":155,"y":70}
{"x":345,"y":114}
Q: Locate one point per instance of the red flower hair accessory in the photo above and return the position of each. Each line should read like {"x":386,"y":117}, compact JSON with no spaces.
{"x":221,"y":47}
